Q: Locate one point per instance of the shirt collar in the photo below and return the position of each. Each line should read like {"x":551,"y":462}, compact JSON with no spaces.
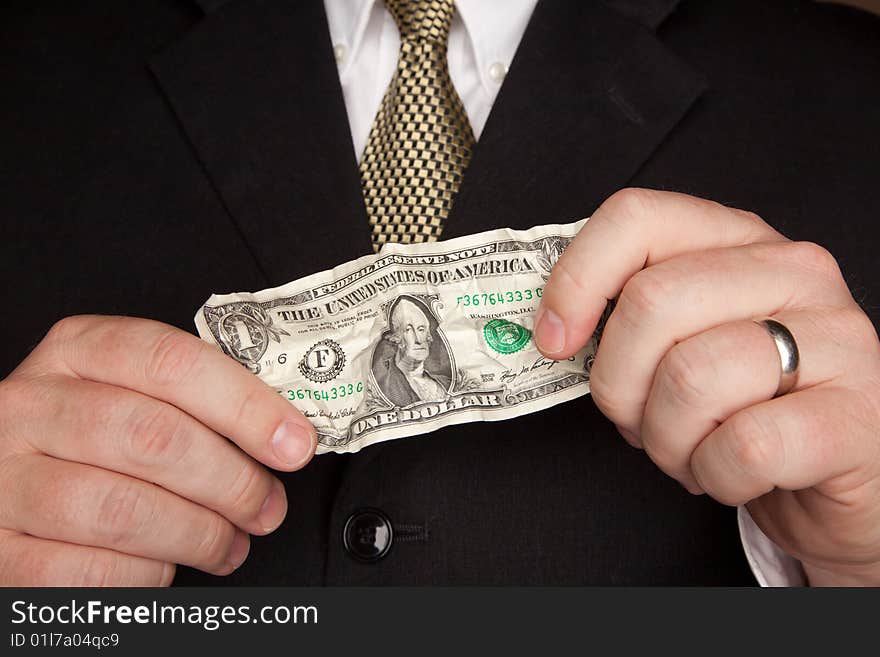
{"x":348,"y":20}
{"x":494,"y":28}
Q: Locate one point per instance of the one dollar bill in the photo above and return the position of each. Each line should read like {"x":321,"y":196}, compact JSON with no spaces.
{"x":408,"y":340}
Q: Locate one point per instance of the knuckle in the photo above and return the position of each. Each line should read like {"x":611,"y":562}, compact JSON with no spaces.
{"x":813,"y":257}
{"x":660,"y":452}
{"x":248,"y":491}
{"x":216,"y":539}
{"x":644,"y":296}
{"x":754,"y":443}
{"x":562,"y":270}
{"x":68,"y":331}
{"x":100,"y":569}
{"x":67,"y":328}
{"x":155,"y":435}
{"x":662,"y":449}
{"x":103,"y":568}
{"x":248,"y":404}
{"x":687,"y":373}
{"x":630,"y":204}
{"x":15,"y":402}
{"x":859,"y":330}
{"x":665,"y":449}
{"x":74,"y":338}
{"x":758,"y":229}
{"x":26,"y":398}
{"x":123,"y":513}
{"x":606,"y":399}
{"x":749,"y":216}
{"x":173,"y":357}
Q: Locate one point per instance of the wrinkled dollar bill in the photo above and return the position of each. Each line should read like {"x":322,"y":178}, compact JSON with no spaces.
{"x":410,"y":339}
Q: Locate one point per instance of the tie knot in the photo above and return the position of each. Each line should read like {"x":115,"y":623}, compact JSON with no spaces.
{"x":422,"y":19}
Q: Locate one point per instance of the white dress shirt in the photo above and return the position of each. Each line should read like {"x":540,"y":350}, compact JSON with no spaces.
{"x":482,"y":41}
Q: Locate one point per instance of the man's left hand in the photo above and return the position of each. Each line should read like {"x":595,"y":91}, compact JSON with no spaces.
{"x":685,"y":372}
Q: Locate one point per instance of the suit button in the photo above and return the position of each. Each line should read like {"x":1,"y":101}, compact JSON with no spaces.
{"x":367,"y":535}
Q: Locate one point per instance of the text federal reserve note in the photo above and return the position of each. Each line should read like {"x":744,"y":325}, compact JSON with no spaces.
{"x":408,"y":340}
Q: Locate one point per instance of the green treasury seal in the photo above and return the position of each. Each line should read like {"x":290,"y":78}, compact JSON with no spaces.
{"x":505,"y":337}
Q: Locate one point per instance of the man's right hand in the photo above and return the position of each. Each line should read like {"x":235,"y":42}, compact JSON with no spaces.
{"x":113,"y":461}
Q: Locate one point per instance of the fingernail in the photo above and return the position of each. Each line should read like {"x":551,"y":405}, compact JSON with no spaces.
{"x":238,"y":551}
{"x":549,"y":332}
{"x":292,"y":443}
{"x":274,"y":508}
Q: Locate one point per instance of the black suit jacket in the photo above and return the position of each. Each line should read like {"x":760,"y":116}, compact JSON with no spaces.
{"x":156,"y":152}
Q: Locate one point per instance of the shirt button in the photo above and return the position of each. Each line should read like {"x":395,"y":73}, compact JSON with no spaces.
{"x":497,"y":71}
{"x":339,"y":52}
{"x":367,"y":535}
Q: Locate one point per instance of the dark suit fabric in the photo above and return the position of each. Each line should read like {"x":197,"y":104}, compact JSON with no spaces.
{"x":156,"y":152}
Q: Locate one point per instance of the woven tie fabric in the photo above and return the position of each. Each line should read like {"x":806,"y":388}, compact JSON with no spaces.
{"x":421,"y":140}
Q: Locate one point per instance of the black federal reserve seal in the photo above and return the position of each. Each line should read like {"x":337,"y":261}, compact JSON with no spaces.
{"x":323,"y":361}
{"x":244,"y":331}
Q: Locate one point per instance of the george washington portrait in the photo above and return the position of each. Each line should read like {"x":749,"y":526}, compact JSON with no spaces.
{"x":411,"y":362}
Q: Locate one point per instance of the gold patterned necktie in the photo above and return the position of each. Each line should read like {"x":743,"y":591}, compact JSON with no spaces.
{"x":421,"y":140}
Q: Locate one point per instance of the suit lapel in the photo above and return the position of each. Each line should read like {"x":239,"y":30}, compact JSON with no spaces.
{"x":590,"y":94}
{"x":256,"y":89}
{"x":649,"y":13}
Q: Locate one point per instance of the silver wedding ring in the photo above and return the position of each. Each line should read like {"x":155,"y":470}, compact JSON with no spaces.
{"x":789,"y":358}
